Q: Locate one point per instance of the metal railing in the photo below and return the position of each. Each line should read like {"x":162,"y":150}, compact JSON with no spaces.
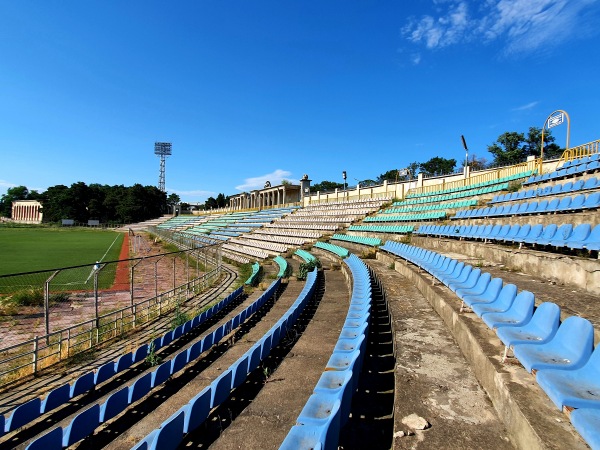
{"x":580,"y":151}
{"x":79,"y":315}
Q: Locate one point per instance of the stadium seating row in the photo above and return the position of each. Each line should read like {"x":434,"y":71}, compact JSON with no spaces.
{"x":190,"y":416}
{"x":396,"y":229}
{"x":557,"y":189}
{"x":246,"y":250}
{"x":283,"y":266}
{"x":560,"y":355}
{"x":31,"y":410}
{"x":292,"y":233}
{"x":328,"y":408}
{"x":431,"y":207}
{"x":373,"y":242}
{"x":580,"y":202}
{"x":569,"y":169}
{"x":455,"y":196}
{"x":582,"y":236}
{"x":251,"y":281}
{"x":306,"y":256}
{"x":87,"y":421}
{"x":340,"y":251}
{"x":471,"y":186}
{"x":289,"y":240}
{"x":406,"y":218}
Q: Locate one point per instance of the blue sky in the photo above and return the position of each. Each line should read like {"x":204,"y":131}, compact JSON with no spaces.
{"x":249,"y":91}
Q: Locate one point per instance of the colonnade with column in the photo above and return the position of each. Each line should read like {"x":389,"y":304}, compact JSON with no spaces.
{"x":266,"y":198}
{"x":27,"y":211}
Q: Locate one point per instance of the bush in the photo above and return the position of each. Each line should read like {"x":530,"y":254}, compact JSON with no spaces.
{"x":306,"y":267}
{"x":27,"y":297}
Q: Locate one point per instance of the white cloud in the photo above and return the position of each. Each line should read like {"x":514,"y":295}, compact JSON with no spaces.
{"x":524,"y":25}
{"x":527,"y":106}
{"x":274,"y":177}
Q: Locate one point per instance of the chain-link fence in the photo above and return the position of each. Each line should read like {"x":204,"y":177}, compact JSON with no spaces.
{"x":50,"y":315}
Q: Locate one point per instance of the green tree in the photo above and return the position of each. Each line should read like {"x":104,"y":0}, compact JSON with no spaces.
{"x":12,"y":194}
{"x":324,"y":186}
{"x":173,"y":199}
{"x":390,"y":176}
{"x":438,"y":166}
{"x":533,"y":142}
{"x":508,"y":149}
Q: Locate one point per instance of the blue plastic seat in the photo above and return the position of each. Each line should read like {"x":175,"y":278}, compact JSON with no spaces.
{"x":140,"y":354}
{"x":591,"y":242}
{"x":519,"y":234}
{"x":265,"y":347}
{"x":468,"y":283}
{"x":179,"y":362}
{"x":207,"y":342}
{"x":577,"y":237}
{"x":548,"y":233}
{"x":48,"y":441}
{"x":82,"y":384}
{"x":254,"y":360}
{"x":592,"y":201}
{"x":23,"y":414}
{"x":339,"y":384}
{"x":161,"y":374}
{"x":519,"y":313}
{"x":511,"y":233}
{"x":82,"y":425}
{"x":579,"y":388}
{"x":487,"y":296}
{"x":166,"y":339}
{"x":194,"y":351}
{"x":479,"y":288}
{"x":562,"y":234}
{"x":591,"y":183}
{"x":170,"y":433}
{"x":198,"y":410}
{"x":459,"y":274}
{"x":529,"y":232}
{"x":114,"y":405}
{"x":553,"y":204}
{"x":220,"y":388}
{"x":302,"y":437}
{"x":587,"y":423}
{"x":539,"y":329}
{"x":576,"y":204}
{"x":124,"y":362}
{"x":554,"y":233}
{"x":140,"y":388}
{"x":55,"y":398}
{"x":323,"y":411}
{"x":501,"y":303}
{"x":240,"y":371}
{"x":104,"y":373}
{"x":570,"y":348}
{"x":542,"y":207}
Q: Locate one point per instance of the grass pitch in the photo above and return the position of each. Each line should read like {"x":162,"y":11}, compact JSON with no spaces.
{"x":32,"y":249}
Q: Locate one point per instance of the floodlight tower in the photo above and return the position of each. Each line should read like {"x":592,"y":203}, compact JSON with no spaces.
{"x":162,"y":149}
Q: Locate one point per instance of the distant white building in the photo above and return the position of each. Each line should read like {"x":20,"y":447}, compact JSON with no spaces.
{"x":27,"y":211}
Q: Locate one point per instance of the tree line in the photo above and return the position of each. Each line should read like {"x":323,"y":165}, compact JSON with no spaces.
{"x":80,"y":202}
{"x":510,"y":148}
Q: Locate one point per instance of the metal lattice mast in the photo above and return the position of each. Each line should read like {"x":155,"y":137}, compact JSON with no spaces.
{"x":162,"y":149}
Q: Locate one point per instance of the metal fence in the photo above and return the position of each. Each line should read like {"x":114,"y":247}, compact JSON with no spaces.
{"x":48,"y":316}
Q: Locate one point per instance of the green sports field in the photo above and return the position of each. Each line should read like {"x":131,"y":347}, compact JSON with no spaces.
{"x":31,"y":249}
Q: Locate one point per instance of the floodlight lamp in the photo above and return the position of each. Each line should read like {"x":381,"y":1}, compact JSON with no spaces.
{"x":162,"y":148}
